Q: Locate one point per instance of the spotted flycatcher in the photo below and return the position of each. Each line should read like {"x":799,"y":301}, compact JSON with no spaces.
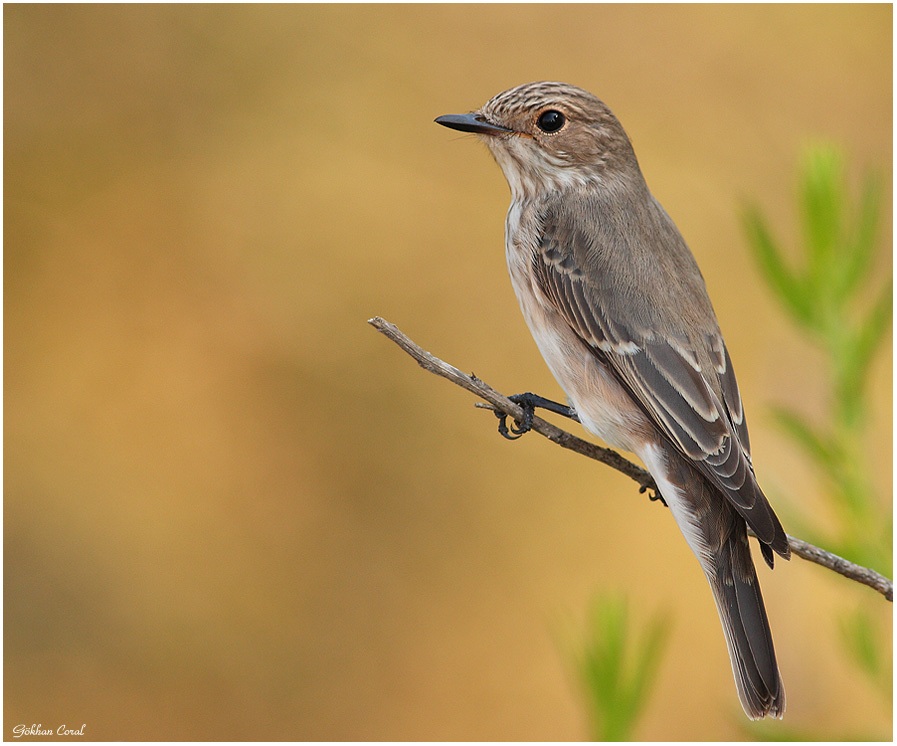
{"x":619,"y":310}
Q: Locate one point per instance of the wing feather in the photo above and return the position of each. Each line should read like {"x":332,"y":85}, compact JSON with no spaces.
{"x":683,"y":382}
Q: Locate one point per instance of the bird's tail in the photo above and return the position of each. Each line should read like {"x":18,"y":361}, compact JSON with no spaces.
{"x":748,"y":637}
{"x":717,"y":535}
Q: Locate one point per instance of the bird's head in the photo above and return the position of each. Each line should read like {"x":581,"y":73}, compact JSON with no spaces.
{"x":550,"y":136}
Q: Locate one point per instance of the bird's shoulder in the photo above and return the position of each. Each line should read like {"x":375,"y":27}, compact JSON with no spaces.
{"x":629,"y":259}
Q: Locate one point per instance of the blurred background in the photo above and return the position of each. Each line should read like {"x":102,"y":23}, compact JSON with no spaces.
{"x":235,"y":511}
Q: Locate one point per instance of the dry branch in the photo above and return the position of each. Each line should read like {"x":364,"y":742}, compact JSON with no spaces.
{"x":500,"y":403}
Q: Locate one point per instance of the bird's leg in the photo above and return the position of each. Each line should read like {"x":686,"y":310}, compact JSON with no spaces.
{"x":528,"y":402}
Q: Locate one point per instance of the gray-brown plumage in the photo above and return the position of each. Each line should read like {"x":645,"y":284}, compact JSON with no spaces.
{"x":620,"y":312}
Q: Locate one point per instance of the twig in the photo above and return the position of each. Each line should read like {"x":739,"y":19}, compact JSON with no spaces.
{"x":500,"y":403}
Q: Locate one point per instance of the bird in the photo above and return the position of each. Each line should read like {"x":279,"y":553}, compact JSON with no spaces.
{"x":619,"y":310}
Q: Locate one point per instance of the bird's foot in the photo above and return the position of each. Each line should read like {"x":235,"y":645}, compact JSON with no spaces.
{"x":655,"y":494}
{"x":528,"y":403}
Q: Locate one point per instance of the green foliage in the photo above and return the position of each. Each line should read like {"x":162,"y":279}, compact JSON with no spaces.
{"x":619,"y":667}
{"x":834,"y":295}
{"x":828,"y":294}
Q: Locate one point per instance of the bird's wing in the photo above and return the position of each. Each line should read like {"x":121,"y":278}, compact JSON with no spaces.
{"x":696,"y":406}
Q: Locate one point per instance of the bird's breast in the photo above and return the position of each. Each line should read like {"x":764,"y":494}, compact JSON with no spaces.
{"x":603,"y":406}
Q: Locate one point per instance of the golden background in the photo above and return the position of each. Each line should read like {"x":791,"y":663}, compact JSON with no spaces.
{"x":235,"y":511}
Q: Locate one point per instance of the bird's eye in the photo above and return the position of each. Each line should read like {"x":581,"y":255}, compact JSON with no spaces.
{"x":551,"y":121}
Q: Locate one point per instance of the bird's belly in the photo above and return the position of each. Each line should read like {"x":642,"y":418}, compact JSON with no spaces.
{"x":603,"y":406}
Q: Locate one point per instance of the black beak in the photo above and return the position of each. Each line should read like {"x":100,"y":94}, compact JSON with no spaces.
{"x":471,"y":123}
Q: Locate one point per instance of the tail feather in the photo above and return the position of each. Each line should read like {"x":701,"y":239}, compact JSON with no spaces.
{"x":748,"y":637}
{"x":717,"y":535}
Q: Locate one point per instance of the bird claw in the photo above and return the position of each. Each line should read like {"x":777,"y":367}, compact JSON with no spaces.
{"x":524,"y":401}
{"x":528,"y":403}
{"x":511,"y":433}
{"x":655,"y":494}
